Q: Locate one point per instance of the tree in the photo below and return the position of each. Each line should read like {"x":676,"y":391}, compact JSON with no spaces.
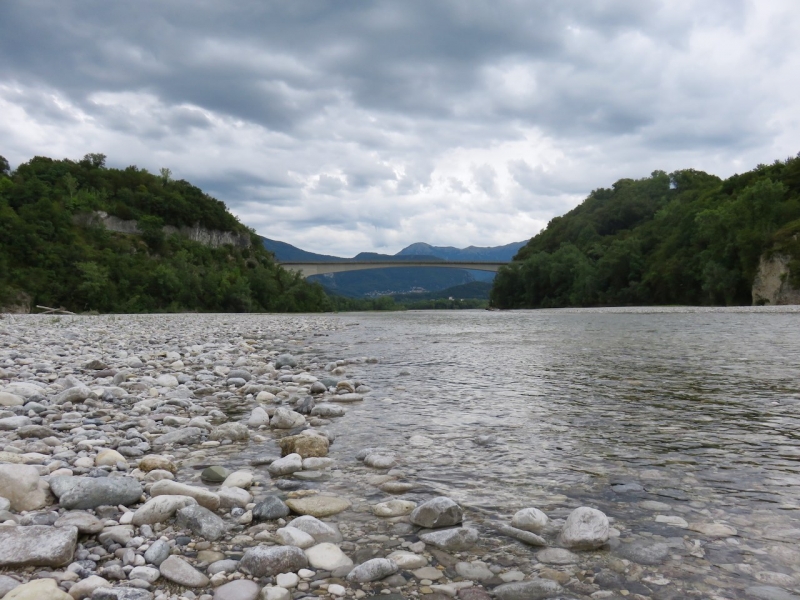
{"x":166,"y":174}
{"x":5,"y":168}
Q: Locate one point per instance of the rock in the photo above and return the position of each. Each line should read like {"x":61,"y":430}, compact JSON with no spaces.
{"x":108,"y":458}
{"x":36,"y":545}
{"x":451,"y":540}
{"x":373,"y":570}
{"x":379,"y":460}
{"x":204,"y":497}
{"x":74,"y":394}
{"x":535,"y":589}
{"x":407,"y":560}
{"x":396,"y":487}
{"x":258,"y":418}
{"x":148,"y":574}
{"x":713,"y":529}
{"x":557,"y":556}
{"x":316,"y":463}
{"x":394,"y":508}
{"x":231,"y":497}
{"x":91,"y":492}
{"x":328,"y":411}
{"x":7,"y":399}
{"x":86,"y":587}
{"x":473,"y":593}
{"x":673,"y":520}
{"x":7,"y":584}
{"x":527,"y":537}
{"x":529,"y":519}
{"x":318,"y":506}
{"x":85,"y":522}
{"x":157,"y":552}
{"x":160,"y":508}
{"x":119,"y":534}
{"x":336,"y":590}
{"x":38,"y":589}
{"x":270,"y":509}
{"x":223,"y":566}
{"x":285,"y":418}
{"x":304,"y":445}
{"x":437,"y":512}
{"x":585,"y":529}
{"x":347,"y":398}
{"x":238,"y":590}
{"x":327,"y":556}
{"x":167,"y":380}
{"x":284,"y":360}
{"x":476,"y":570}
{"x":202,"y":522}
{"x":12,"y":423}
{"x":239,"y":479}
{"x":268,"y":561}
{"x":644,"y":552}
{"x":768,"y":592}
{"x":292,"y":536}
{"x":121,"y":593}
{"x":236,"y":432}
{"x":320,"y":531}
{"x":286,"y":465}
{"x":152,"y":462}
{"x":21,"y":485}
{"x":181,"y":572}
{"x":214,"y":474}
{"x":275,"y":593}
{"x":186,"y":436}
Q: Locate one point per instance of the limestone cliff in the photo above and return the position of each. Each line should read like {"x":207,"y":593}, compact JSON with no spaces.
{"x":207,"y":237}
{"x":772,"y":284}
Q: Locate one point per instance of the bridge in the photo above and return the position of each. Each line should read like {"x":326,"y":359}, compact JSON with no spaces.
{"x":307,"y":269}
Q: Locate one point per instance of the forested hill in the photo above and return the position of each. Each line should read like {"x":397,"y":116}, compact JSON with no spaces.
{"x":685,"y":238}
{"x":48,"y":257}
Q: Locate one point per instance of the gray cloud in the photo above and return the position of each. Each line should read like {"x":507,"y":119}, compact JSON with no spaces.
{"x":343,"y":127}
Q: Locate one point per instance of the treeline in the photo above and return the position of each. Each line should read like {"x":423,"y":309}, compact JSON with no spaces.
{"x":682,"y":238}
{"x":47,"y":259}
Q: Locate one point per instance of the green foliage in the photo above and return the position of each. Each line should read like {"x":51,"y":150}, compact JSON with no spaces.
{"x":683,"y":238}
{"x":45,"y":254}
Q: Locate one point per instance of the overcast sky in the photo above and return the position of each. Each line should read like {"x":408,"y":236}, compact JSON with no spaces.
{"x":347,"y":126}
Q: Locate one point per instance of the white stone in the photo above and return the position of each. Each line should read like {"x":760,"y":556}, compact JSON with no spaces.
{"x":408,"y":560}
{"x":530,"y":519}
{"x":287,"y":580}
{"x":258,"y":418}
{"x":230,"y":497}
{"x":336,"y":590}
{"x":275,"y":593}
{"x":292,"y":536}
{"x":239,"y":479}
{"x":160,"y":509}
{"x":290,"y":463}
{"x":585,"y":529}
{"x":394,"y":508}
{"x":327,"y":556}
{"x":23,"y":488}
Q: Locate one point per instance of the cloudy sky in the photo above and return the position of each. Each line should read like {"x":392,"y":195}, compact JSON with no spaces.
{"x":341,"y":126}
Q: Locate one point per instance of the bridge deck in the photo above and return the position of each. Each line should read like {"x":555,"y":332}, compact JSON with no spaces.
{"x":307,"y":269}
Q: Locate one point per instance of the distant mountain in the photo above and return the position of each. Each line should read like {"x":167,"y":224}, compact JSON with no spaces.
{"x":287,"y":252}
{"x":495,"y":253}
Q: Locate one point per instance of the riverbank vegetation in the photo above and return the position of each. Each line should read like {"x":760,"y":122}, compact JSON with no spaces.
{"x":681,"y":238}
{"x":48,"y":258}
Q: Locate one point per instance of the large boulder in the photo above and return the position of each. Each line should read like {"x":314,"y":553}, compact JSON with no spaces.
{"x":36,"y":545}
{"x":585,"y":529}
{"x":437,"y":512}
{"x":23,"y":487}
{"x":268,"y":561}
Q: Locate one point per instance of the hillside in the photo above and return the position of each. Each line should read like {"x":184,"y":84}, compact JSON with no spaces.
{"x":685,"y":238}
{"x":86,"y":237}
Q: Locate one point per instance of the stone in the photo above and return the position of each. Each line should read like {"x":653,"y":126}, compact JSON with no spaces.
{"x":396,"y":487}
{"x":157,"y":552}
{"x":336,"y":590}
{"x":242,"y":589}
{"x":431,"y":573}
{"x":240,"y":479}
{"x":327,"y":556}
{"x":181,"y":572}
{"x":476,"y":570}
{"x":394,"y":508}
{"x":451,"y":540}
{"x":287,"y":580}
{"x":645,"y":552}
{"x":23,"y":488}
{"x":284,"y":360}
{"x":536,"y":589}
{"x":292,"y":536}
{"x":167,"y":380}
{"x":285,"y":418}
{"x":328,"y":411}
{"x":122,"y":593}
{"x":236,"y":432}
{"x":38,"y":589}
{"x":527,"y":537}
{"x":74,"y":394}
{"x":270,"y":509}
{"x":258,"y":418}
{"x":320,"y":531}
{"x":437,"y":512}
{"x":585,"y":529}
{"x":36,"y":545}
{"x":231,"y":497}
{"x":118,"y":534}
{"x":7,"y":399}
{"x":160,"y":508}
{"x":373,"y":570}
{"x":7,"y":584}
{"x":86,"y":587}
{"x":202,"y":522}
{"x":204,"y":497}
{"x":223,"y":566}
{"x":275,"y":593}
{"x":316,"y":463}
{"x":557,"y":556}
{"x":286,"y":465}
{"x":408,"y":560}
{"x":214,"y":474}
{"x":91,"y":492}
{"x":318,"y":506}
{"x":12,"y":423}
{"x":673,"y":520}
{"x":268,"y":561}
{"x":378,"y":460}
{"x":473,"y":593}
{"x":769,"y":592}
{"x":713,"y":529}
{"x":86,"y":523}
{"x":148,"y":574}
{"x":529,"y":519}
{"x":306,"y":446}
{"x":185,"y":436}
{"x":108,"y":458}
{"x":152,"y":462}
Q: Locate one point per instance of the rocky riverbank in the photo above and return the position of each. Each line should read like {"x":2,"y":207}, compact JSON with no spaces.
{"x":192,"y":456}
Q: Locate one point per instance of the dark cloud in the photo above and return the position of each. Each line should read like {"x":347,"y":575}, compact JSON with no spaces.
{"x":352,"y":126}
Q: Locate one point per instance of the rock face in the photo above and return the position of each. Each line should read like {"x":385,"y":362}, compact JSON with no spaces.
{"x":772,"y":283}
{"x":304,"y":445}
{"x":37,"y":545}
{"x":437,"y":512}
{"x":91,"y":492}
{"x":268,"y":561}
{"x":585,"y":529}
{"x":22,"y":486}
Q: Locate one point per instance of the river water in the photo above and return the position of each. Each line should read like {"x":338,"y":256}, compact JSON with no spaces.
{"x":688,"y":413}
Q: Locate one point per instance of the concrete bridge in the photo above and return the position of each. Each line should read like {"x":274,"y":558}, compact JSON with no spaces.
{"x":307,"y":269}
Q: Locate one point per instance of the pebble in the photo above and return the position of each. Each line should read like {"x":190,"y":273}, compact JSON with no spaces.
{"x":176,"y":569}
